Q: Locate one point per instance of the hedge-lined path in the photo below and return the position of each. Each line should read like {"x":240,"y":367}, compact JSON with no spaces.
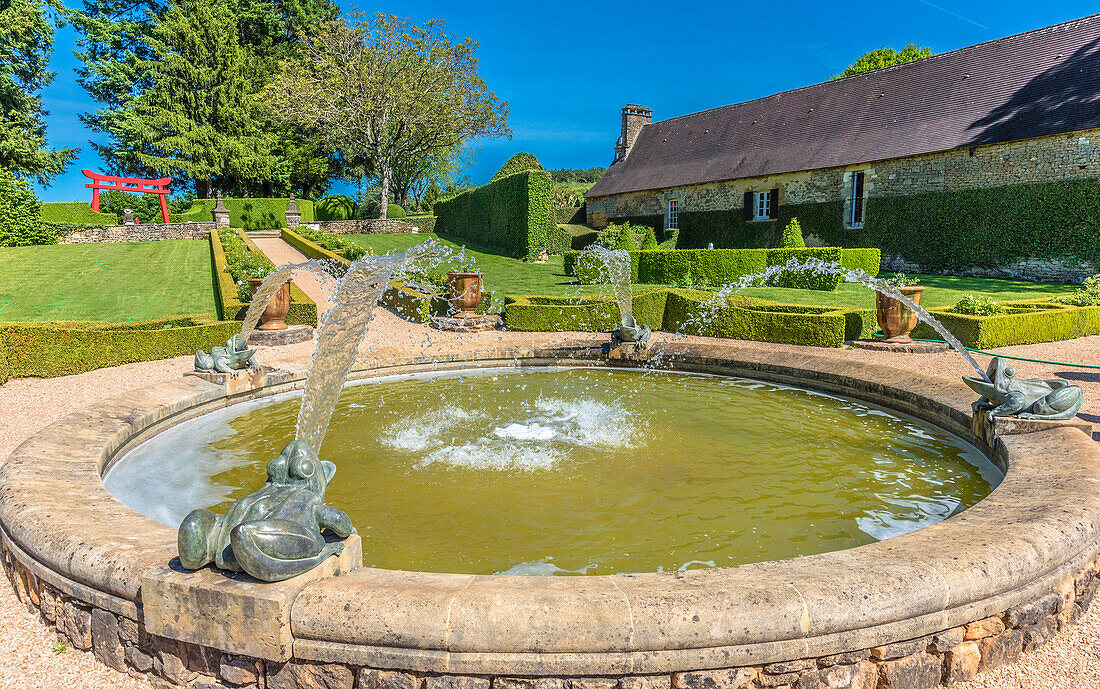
{"x":1071,"y":660}
{"x":281,"y":253}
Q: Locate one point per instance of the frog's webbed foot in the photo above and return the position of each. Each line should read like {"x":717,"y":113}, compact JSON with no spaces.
{"x":278,"y":549}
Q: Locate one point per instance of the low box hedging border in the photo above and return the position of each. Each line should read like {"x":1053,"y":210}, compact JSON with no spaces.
{"x":302,"y":309}
{"x":715,"y":267}
{"x":1034,"y":321}
{"x":67,"y":347}
{"x":676,"y":310}
{"x":511,"y":214}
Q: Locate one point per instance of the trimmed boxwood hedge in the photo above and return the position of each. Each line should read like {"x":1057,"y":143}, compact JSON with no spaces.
{"x":511,"y":215}
{"x":724,"y":266}
{"x":75,"y":213}
{"x":676,"y":310}
{"x":249,"y":214}
{"x":65,"y":348}
{"x":1027,"y":322}
{"x":302,"y":309}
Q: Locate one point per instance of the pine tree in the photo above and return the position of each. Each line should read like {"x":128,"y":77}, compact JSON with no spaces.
{"x":26,"y":42}
{"x":199,"y":117}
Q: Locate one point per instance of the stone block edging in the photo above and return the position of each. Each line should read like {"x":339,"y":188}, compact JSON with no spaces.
{"x":948,"y":600}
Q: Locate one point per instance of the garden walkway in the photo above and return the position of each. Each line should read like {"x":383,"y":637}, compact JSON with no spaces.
{"x":1070,"y":661}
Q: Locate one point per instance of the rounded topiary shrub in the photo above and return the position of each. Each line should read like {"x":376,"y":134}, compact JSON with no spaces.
{"x":626,"y":239}
{"x":792,"y":236}
{"x":336,"y":207}
{"x":649,"y":242}
{"x":517,"y":163}
{"x":395,"y":212}
{"x":21,"y":214}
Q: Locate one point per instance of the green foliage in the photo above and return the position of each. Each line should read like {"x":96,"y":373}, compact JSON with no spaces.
{"x":240,"y":262}
{"x":649,"y":243}
{"x":26,"y":42}
{"x":395,"y":212}
{"x":884,"y":57}
{"x":953,"y":230}
{"x":867,"y":260}
{"x":672,"y":239}
{"x":248,"y":214}
{"x":679,"y":310}
{"x":558,"y":239}
{"x":511,"y":214}
{"x":199,"y":116}
{"x":332,"y":242}
{"x":520,"y":162}
{"x":1087,"y":295}
{"x":901,"y":280}
{"x":230,"y":305}
{"x":145,"y":206}
{"x":20,"y":214}
{"x":708,"y":268}
{"x":1024,"y":322}
{"x":978,"y":305}
{"x":587,"y":176}
{"x":626,"y":239}
{"x":792,"y":236}
{"x":76,"y":213}
{"x":66,"y":348}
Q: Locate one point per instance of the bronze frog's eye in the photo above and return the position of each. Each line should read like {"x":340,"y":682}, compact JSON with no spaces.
{"x":302,"y":466}
{"x":1009,"y":371}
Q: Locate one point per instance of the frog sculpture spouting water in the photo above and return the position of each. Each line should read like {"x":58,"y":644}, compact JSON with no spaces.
{"x":1027,"y":398}
{"x":274,"y":533}
{"x":234,"y":356}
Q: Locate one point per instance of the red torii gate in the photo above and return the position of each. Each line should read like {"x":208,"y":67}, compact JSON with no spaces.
{"x":139,"y":186}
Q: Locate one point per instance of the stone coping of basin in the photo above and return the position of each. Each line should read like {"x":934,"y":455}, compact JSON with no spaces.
{"x":1040,"y":526}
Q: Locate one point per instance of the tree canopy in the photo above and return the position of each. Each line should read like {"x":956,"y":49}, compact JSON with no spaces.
{"x":383,"y":91}
{"x":884,"y":57}
{"x":26,"y":41}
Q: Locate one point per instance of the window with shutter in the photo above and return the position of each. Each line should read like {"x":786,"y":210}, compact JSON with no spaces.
{"x":748,"y":210}
{"x":673,"y":214}
{"x":763,"y":205}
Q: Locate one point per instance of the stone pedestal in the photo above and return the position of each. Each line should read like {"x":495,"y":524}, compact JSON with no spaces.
{"x":292,"y":334}
{"x":220,"y":212}
{"x":231,"y":611}
{"x":627,"y":350}
{"x":470,"y":324}
{"x":293,"y":215}
{"x":238,"y":381}
{"x":1011,"y":425}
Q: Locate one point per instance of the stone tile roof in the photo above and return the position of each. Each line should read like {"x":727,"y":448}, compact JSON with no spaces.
{"x":1041,"y":82}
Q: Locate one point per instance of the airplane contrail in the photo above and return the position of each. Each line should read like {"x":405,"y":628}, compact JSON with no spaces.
{"x":955,"y":14}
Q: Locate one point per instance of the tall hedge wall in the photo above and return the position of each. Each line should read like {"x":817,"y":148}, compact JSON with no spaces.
{"x":249,"y":214}
{"x":75,"y":213}
{"x":728,"y":230}
{"x":511,"y":215}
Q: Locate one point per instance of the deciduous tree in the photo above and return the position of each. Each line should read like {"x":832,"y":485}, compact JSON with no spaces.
{"x":385,"y":91}
{"x":884,"y":57}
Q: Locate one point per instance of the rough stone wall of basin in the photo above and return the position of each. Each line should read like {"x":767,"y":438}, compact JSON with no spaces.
{"x":950,"y":656}
{"x":140,"y":233}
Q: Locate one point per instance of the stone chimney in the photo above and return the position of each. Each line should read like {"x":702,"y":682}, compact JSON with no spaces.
{"x":634,"y":118}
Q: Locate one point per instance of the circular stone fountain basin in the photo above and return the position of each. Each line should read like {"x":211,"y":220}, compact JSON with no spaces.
{"x":582,"y":470}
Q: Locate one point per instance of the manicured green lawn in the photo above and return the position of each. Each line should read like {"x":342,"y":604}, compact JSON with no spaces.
{"x":106,"y":282}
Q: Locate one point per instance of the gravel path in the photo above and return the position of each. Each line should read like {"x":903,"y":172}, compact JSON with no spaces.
{"x":1070,"y":661}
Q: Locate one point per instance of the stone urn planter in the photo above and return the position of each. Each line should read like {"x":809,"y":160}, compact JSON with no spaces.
{"x":465,"y":292}
{"x":895,"y":318}
{"x":277,"y":308}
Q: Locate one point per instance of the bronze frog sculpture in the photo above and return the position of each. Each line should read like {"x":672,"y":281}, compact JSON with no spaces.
{"x":234,"y":356}
{"x":274,"y":533}
{"x":1028,"y":398}
{"x":630,"y":331}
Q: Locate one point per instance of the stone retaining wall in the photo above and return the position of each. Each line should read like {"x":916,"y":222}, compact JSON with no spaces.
{"x":376,"y":226}
{"x":950,"y":656}
{"x":140,"y":233}
{"x":1068,"y":270}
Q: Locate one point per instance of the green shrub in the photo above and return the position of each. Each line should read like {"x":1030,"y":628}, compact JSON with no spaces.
{"x":672,"y":237}
{"x":1087,"y":295}
{"x":639,"y":221}
{"x":559,"y":240}
{"x":626,"y":239}
{"x":67,"y":348}
{"x":336,"y":207}
{"x":649,"y":243}
{"x":792,"y":236}
{"x":867,"y":260}
{"x":20,"y":214}
{"x":145,"y":206}
{"x":978,"y":305}
{"x":394,"y":212}
{"x":520,"y":162}
{"x":510,"y":215}
{"x":600,"y":313}
{"x":1024,"y":322}
{"x":76,"y":213}
{"x":333,"y":242}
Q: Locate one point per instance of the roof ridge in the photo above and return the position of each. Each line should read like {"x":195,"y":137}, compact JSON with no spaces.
{"x":938,"y":56}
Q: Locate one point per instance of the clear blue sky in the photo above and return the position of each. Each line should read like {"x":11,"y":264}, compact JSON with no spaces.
{"x":566,"y":68}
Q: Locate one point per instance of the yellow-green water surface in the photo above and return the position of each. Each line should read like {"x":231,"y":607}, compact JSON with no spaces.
{"x":582,"y":470}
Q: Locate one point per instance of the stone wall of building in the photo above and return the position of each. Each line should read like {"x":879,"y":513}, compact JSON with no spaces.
{"x":140,"y":233}
{"x":376,"y":226}
{"x":1032,"y":270}
{"x":1044,"y":159}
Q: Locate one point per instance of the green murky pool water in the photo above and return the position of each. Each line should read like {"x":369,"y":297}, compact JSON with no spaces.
{"x":582,"y":470}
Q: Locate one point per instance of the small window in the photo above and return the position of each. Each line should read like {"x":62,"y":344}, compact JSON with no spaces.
{"x":673,"y":214}
{"x":856,"y":217}
{"x":763,"y":205}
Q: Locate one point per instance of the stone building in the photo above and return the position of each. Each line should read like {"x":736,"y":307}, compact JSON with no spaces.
{"x":1017,"y":110}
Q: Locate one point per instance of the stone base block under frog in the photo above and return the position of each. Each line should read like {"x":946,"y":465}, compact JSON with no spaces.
{"x":1026,"y":398}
